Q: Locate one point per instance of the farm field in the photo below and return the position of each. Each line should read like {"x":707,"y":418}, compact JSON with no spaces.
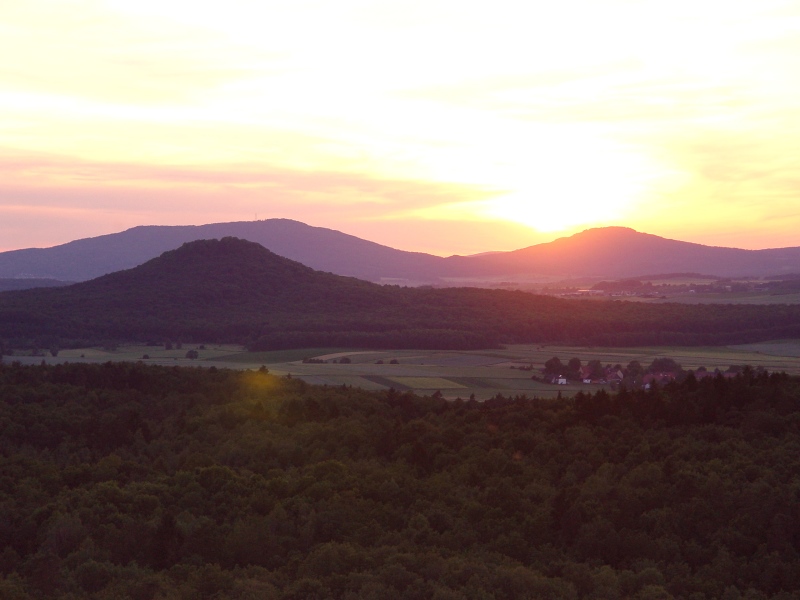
{"x":764,"y":298}
{"x":482,"y":373}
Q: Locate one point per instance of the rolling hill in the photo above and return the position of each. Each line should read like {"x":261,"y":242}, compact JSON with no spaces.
{"x":624,"y":252}
{"x":216,"y":283}
{"x":317,"y":247}
{"x":233,"y":290}
{"x":609,"y":252}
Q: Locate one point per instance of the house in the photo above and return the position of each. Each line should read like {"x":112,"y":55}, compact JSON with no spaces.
{"x":617,"y":375}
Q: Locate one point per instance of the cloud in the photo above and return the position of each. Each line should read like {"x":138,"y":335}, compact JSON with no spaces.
{"x":47,"y":171}
{"x":37,"y":188}
{"x":737,"y":188}
{"x":87,"y":50}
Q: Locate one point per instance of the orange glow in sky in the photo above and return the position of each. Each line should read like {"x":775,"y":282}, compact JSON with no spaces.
{"x":435,"y":125}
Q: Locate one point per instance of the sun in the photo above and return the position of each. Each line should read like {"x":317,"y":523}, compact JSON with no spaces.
{"x":562,"y":200}
{"x":548,"y":177}
{"x":590,"y":181}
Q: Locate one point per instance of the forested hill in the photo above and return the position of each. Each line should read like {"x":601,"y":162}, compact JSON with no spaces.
{"x":122,"y":481}
{"x":211,"y":287}
{"x":232,"y":290}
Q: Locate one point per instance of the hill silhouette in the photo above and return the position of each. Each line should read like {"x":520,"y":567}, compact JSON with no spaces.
{"x":320,"y":248}
{"x":25,"y":284}
{"x":603,"y":252}
{"x":203,"y":285}
{"x":624,"y":252}
{"x":232,"y":290}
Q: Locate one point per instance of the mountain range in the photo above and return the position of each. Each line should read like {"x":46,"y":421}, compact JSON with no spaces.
{"x":233,"y":290}
{"x":613,"y":252}
{"x":317,"y":247}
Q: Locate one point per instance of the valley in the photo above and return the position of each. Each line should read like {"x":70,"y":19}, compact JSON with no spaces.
{"x":453,"y":374}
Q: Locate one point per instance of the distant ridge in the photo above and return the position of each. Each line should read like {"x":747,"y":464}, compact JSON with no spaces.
{"x":610,"y":252}
{"x":209,"y":277}
{"x":317,"y":247}
{"x":624,"y":252}
{"x":233,"y":290}
{"x":28,"y":283}
{"x":205,"y":285}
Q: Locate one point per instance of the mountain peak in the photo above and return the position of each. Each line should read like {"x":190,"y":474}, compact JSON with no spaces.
{"x":230,"y":261}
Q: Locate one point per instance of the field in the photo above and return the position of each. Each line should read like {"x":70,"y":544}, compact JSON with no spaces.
{"x":483,"y":374}
{"x":724,"y":298}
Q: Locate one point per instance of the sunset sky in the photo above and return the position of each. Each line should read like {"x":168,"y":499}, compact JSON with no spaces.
{"x":432,"y":125}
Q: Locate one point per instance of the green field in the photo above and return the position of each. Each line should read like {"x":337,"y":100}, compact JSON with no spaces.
{"x":763,"y":298}
{"x":483,"y":374}
{"x":428,"y":383}
{"x":277,"y":356}
{"x":156,"y":353}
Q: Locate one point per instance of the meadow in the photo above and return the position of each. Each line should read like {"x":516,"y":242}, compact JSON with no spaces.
{"x":761,"y":298}
{"x":481,"y":374}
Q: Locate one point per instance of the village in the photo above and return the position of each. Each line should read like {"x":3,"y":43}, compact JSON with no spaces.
{"x":633,"y":376}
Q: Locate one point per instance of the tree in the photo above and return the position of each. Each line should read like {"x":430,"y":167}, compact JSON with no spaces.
{"x":660,"y":365}
{"x":553,"y":366}
{"x":634,"y":369}
{"x":596,"y":367}
{"x":192,"y":354}
{"x":574,"y":368}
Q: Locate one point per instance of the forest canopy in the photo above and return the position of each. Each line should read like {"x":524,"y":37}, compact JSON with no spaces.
{"x":131,"y":481}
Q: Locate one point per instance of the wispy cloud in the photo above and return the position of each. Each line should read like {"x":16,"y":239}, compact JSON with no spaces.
{"x":40,"y":188}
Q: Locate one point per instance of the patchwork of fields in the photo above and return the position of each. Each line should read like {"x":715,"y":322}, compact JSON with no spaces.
{"x":483,"y":374}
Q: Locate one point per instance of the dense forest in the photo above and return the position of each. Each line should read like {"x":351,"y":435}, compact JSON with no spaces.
{"x":236,"y":291}
{"x":143,"y":482}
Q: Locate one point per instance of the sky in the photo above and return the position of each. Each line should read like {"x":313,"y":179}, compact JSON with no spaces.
{"x":430,"y":125}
